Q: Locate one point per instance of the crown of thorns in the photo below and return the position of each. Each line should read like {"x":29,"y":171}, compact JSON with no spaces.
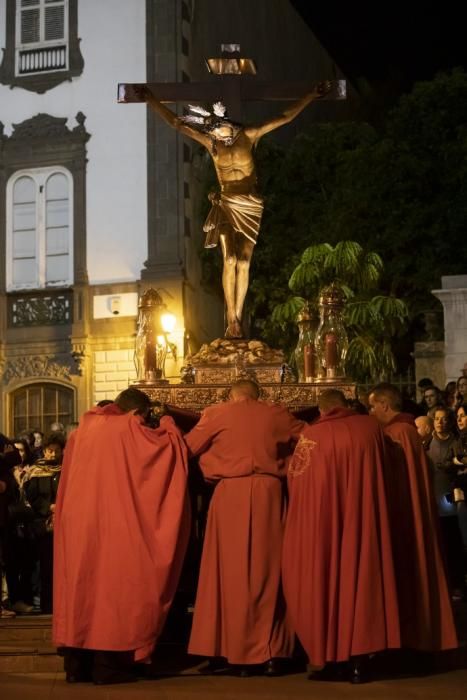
{"x":207,"y":120}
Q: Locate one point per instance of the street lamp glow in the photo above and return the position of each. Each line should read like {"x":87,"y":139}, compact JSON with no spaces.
{"x":168,"y":322}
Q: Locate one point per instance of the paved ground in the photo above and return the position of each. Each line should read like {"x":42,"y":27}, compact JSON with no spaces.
{"x":448,"y":686}
{"x":186,"y":682}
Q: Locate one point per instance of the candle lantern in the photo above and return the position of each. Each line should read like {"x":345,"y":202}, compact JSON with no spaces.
{"x":151,"y":340}
{"x":331,"y":337}
{"x":305,"y":356}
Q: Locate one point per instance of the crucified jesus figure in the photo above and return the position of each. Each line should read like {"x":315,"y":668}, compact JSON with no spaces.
{"x":236,"y":211}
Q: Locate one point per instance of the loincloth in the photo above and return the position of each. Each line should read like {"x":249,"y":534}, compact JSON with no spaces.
{"x":242,"y":212}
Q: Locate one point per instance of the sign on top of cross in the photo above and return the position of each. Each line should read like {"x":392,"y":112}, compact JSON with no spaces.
{"x":236,"y":83}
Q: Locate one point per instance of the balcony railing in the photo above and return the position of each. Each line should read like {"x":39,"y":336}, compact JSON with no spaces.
{"x":40,"y":308}
{"x":42,"y":60}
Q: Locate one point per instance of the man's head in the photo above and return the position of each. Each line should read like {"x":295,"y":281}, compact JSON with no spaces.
{"x":244,"y":389}
{"x":431,"y":396}
{"x":424,"y":426}
{"x":331,"y":398}
{"x":385,"y":402}
{"x":133,"y":399}
{"x":53,"y":445}
{"x":424,"y":383}
{"x":442,"y":420}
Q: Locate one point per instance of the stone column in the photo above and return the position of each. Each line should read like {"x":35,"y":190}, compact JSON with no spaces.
{"x":453,"y":296}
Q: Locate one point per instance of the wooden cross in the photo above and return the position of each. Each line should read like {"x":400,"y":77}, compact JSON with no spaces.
{"x":231,"y":89}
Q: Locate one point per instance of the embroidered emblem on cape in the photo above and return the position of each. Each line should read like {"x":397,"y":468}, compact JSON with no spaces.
{"x":300,"y":460}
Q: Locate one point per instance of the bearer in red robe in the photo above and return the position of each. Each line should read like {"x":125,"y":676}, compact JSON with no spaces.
{"x":338,"y":572}
{"x":426,"y":614}
{"x":239,"y":612}
{"x":121,"y":528}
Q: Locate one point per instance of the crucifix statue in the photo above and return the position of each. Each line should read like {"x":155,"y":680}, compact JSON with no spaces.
{"x":236,"y":209}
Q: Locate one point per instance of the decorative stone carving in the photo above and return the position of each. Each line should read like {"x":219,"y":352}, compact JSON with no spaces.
{"x":41,"y":126}
{"x":78,"y":354}
{"x":35,"y":366}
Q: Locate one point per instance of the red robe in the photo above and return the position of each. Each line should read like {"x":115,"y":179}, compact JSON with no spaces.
{"x":338,"y":572}
{"x":426,"y":613}
{"x":121,"y":528}
{"x":239,"y":612}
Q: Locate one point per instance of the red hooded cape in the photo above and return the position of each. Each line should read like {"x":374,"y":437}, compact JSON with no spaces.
{"x":121,"y":528}
{"x":338,"y":573}
{"x":426,"y":614}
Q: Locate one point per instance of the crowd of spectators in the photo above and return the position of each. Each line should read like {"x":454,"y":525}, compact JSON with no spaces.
{"x":441,"y":420}
{"x":30,"y":467}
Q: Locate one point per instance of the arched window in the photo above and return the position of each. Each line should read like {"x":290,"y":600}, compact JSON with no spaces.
{"x":37,"y":406}
{"x":39,"y":229}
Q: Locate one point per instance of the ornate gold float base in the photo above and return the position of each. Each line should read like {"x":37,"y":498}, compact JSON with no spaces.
{"x":196,"y":397}
{"x":211,"y":372}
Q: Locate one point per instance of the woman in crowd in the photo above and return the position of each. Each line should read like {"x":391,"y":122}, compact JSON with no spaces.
{"x":461,"y":393}
{"x":20,"y":559}
{"x":41,"y":488}
{"x":449,"y":395}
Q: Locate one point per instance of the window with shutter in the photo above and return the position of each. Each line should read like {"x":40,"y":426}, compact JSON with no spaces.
{"x":42,"y":48}
{"x":39,"y":230}
{"x":42,"y":41}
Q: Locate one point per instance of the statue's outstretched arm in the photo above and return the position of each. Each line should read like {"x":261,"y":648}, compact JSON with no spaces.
{"x":320,"y":90}
{"x":171,"y":118}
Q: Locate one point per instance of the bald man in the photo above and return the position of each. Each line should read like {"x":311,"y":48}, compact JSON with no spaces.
{"x":239,"y":611}
{"x":426,"y":614}
{"x":425,"y":426}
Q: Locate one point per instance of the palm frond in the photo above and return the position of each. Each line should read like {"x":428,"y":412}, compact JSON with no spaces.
{"x":305,"y":279}
{"x":287,"y":312}
{"x":360,"y":314}
{"x":316,"y":253}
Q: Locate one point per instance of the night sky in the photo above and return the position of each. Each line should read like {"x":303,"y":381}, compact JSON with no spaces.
{"x":388,"y":45}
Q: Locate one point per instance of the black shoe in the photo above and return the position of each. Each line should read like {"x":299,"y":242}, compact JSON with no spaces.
{"x":273,"y":667}
{"x":358,"y":671}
